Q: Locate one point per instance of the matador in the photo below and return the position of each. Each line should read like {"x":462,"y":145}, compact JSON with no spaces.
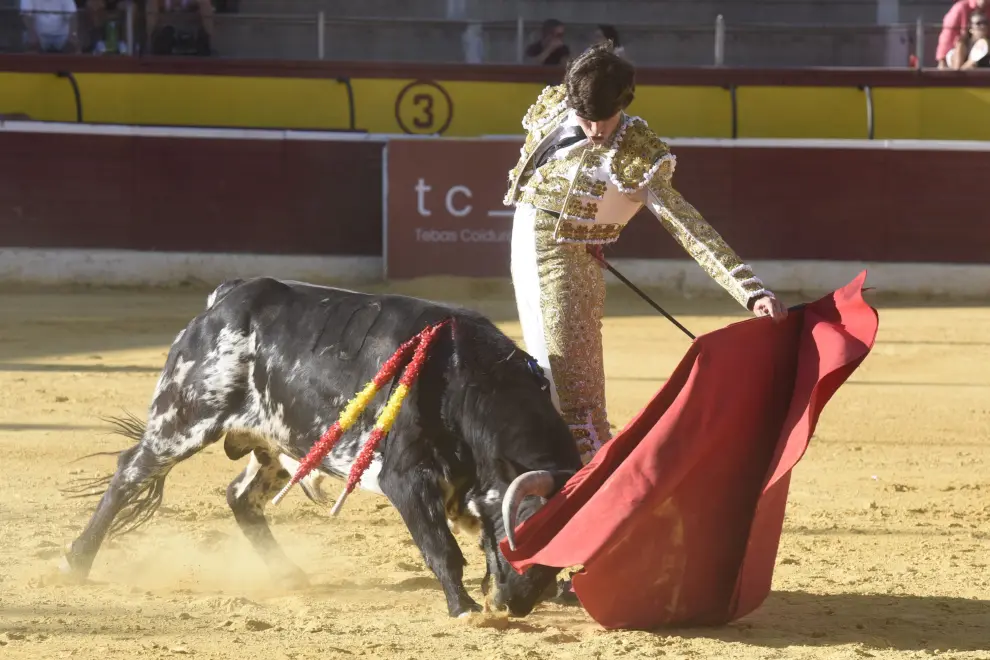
{"x":585,"y":169}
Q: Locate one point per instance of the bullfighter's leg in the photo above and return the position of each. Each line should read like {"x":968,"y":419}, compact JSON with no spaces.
{"x":560,"y":293}
{"x":560,"y":298}
{"x":526,"y":286}
{"x":247,"y":496}
{"x":419,"y":500}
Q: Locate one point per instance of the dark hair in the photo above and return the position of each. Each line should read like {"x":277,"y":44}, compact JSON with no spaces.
{"x":550,"y":25}
{"x":610,"y":34}
{"x":599,"y":83}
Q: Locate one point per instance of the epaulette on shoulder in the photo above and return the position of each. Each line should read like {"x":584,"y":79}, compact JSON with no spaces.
{"x":550,"y":103}
{"x":640,"y":155}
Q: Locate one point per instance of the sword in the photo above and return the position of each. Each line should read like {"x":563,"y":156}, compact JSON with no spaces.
{"x":636,"y":289}
{"x":601,"y":259}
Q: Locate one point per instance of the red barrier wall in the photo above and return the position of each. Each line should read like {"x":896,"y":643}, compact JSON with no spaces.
{"x":324,"y":197}
{"x":190,"y":194}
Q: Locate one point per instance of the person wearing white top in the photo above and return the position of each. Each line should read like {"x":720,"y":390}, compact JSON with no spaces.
{"x":971,"y":50}
{"x":50,"y":25}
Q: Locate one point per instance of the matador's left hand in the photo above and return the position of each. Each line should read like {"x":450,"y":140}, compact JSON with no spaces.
{"x":768,"y":305}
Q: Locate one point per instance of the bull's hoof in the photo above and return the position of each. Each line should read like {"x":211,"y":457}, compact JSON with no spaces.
{"x":466,"y":609}
{"x":565,"y":594}
{"x":496,"y":620}
{"x":70,"y":569}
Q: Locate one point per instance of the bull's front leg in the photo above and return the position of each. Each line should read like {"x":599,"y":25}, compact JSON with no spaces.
{"x":418,"y":498}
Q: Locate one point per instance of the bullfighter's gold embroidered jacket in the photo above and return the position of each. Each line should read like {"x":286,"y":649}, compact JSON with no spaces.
{"x":597,"y":189}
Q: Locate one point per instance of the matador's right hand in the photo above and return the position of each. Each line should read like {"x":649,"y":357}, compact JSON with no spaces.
{"x":768,"y":305}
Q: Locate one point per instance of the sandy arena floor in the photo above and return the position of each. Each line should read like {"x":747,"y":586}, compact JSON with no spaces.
{"x":885,"y":551}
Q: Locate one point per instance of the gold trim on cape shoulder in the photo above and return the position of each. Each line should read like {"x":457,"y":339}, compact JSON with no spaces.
{"x":549,"y":107}
{"x":638,"y":156}
{"x":549,"y":104}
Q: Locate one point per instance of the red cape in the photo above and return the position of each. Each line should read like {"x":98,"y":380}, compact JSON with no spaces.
{"x":677,"y":519}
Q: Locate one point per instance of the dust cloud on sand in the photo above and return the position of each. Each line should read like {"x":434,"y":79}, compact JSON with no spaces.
{"x":884,"y":553}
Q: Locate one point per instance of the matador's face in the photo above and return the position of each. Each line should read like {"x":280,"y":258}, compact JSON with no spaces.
{"x":599,"y":132}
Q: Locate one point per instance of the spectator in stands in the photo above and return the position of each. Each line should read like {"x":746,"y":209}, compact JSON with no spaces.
{"x":971,"y":49}
{"x":609,"y":33}
{"x":550,"y":49}
{"x":174,"y":30}
{"x":50,"y":26}
{"x":104,"y":25}
{"x":955,"y":25}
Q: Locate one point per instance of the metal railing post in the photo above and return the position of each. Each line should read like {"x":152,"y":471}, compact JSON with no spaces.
{"x":919,"y":43}
{"x":734,"y":101}
{"x":321,"y":26}
{"x":75,"y":92}
{"x":520,"y":38}
{"x":719,"y":40}
{"x":130,"y":28}
{"x":870,"y":116}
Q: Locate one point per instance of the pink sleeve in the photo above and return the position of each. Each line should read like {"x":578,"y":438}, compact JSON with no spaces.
{"x":953,"y":25}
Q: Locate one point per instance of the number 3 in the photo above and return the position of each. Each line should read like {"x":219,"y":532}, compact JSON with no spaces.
{"x":419,"y":100}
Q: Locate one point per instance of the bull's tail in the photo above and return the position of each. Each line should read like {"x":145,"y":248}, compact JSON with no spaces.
{"x":143,"y":504}
{"x":128,"y":426}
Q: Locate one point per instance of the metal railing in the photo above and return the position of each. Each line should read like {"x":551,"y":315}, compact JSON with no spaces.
{"x":317,"y":36}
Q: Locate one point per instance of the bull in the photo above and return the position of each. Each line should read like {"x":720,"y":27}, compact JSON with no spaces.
{"x":268,"y":366}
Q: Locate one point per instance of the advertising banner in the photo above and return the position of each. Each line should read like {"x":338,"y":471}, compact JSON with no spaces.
{"x":445,"y":211}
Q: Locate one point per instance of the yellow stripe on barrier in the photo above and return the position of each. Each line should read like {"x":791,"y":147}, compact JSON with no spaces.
{"x":802,"y":112}
{"x":932,"y":113}
{"x":40,"y":96}
{"x":475,"y":108}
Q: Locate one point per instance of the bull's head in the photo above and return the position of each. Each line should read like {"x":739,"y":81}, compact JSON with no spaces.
{"x":520,"y":593}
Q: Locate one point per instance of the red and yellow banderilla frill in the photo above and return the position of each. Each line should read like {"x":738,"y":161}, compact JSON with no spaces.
{"x":420,"y":343}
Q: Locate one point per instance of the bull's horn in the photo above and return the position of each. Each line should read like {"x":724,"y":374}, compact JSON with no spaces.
{"x":539,"y":482}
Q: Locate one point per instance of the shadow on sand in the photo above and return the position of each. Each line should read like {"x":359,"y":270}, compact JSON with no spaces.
{"x":892,"y":622}
{"x":796,"y":618}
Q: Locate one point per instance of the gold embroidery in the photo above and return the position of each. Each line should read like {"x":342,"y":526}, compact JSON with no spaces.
{"x":549,"y":185}
{"x":550,"y":103}
{"x":587,"y":187}
{"x":594,"y":159}
{"x":515,"y":172}
{"x":572,"y":299}
{"x":548,"y":200}
{"x":701,"y":241}
{"x":639,"y":156}
{"x":581,"y":210}
{"x":587,"y":232}
{"x":541,"y":118}
{"x":587,"y":183}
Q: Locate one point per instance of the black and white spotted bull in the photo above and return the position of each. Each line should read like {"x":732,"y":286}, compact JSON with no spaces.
{"x":268,"y":367}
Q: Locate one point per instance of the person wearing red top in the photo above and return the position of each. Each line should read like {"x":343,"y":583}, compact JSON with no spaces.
{"x":954,"y":25}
